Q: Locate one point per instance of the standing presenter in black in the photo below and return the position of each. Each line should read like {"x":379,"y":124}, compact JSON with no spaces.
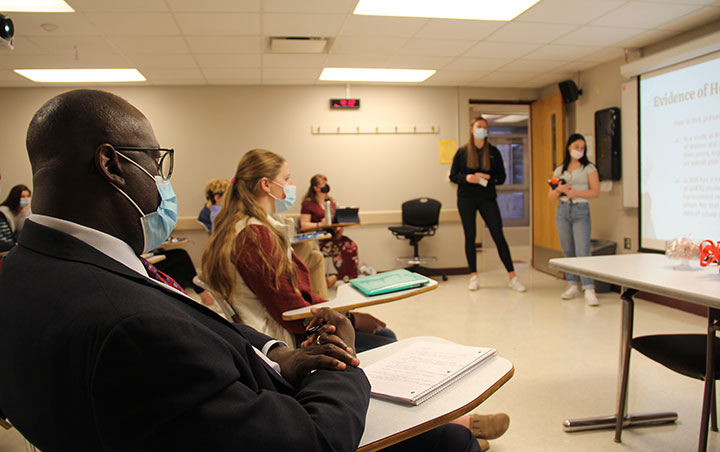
{"x":477,"y":168}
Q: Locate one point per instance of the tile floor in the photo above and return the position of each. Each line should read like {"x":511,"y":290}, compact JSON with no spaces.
{"x":565,"y":356}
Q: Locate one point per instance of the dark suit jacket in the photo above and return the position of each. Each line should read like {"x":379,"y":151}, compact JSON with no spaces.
{"x":97,"y":358}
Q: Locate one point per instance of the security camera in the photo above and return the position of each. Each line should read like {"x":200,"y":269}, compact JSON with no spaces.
{"x":7,"y":31}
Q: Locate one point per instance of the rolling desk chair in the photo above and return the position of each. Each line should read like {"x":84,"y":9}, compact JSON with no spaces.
{"x":420,"y":219}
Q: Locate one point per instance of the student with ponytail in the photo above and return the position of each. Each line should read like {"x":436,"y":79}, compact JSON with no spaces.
{"x":249,"y":260}
{"x":477,"y":168}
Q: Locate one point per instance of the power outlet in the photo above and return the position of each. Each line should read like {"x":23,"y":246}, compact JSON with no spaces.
{"x":628,"y":243}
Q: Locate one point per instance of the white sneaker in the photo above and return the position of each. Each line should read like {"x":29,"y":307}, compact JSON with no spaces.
{"x":570,"y":293}
{"x":473,"y":283}
{"x":516,"y":285}
{"x":590,"y":298}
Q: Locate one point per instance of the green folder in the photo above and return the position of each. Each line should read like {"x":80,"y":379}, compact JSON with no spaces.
{"x":392,"y":281}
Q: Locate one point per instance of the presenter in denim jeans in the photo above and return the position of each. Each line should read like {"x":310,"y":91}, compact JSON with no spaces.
{"x":579,"y":181}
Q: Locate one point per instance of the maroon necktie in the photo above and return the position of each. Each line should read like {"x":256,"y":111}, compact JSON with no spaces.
{"x":160,"y":276}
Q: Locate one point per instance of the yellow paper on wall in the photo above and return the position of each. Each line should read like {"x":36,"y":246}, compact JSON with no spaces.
{"x":447,"y":150}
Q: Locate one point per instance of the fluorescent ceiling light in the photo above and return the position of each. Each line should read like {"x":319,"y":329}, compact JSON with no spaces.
{"x":35,"y":6}
{"x":81,"y":75}
{"x":446,"y":9}
{"x":348,"y":74}
{"x":511,"y":118}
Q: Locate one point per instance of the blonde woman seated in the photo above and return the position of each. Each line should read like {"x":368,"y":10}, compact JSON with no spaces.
{"x":249,"y":261}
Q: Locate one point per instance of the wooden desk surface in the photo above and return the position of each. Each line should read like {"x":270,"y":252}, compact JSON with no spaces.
{"x":388,"y":422}
{"x":649,"y":272}
{"x":349,"y":298}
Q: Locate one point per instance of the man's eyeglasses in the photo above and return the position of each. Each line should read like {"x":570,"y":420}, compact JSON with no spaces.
{"x":164,"y":158}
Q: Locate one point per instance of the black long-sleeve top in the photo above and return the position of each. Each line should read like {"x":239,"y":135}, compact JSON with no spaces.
{"x":460,"y":170}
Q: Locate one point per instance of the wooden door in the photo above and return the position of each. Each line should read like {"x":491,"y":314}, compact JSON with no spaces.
{"x":547,"y":118}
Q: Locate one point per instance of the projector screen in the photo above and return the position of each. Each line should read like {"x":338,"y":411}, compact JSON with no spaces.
{"x":679,"y":152}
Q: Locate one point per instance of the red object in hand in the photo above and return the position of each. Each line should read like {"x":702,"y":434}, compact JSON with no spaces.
{"x":709,"y":253}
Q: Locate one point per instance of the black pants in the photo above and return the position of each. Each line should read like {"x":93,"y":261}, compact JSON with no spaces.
{"x":446,"y":438}
{"x":490,"y":213}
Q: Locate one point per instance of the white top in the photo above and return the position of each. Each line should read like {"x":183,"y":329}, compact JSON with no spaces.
{"x":648,"y":272}
{"x":247,"y":305}
{"x":577,"y":179}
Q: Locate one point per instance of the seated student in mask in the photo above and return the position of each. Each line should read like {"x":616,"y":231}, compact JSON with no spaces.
{"x":250,"y":242}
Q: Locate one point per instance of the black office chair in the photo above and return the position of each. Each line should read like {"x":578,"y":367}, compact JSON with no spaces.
{"x":420,"y":219}
{"x":685,"y":354}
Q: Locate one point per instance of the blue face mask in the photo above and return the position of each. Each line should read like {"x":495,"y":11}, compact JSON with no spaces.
{"x":281,"y":205}
{"x":24,"y":202}
{"x":158,"y":225}
{"x":480,"y":134}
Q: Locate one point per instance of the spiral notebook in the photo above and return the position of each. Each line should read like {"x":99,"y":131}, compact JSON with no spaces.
{"x":422,"y":369}
{"x":386,"y":282}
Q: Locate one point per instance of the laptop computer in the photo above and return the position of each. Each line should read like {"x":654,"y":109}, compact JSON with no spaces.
{"x":347,"y":215}
{"x":386,"y":282}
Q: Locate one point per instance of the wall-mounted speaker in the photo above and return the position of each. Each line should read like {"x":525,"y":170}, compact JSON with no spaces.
{"x":569,"y":91}
{"x":607,"y":143}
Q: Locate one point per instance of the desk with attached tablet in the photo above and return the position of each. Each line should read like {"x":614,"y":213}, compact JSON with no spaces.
{"x":349,"y":298}
{"x":388,"y":422}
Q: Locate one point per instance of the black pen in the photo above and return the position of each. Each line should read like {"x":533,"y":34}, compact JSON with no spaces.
{"x":314,"y":329}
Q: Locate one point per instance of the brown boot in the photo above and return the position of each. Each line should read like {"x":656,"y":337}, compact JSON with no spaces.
{"x":484,"y":444}
{"x":489,"y":426}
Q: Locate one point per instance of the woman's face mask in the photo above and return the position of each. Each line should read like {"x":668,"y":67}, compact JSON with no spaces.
{"x":290,"y":191}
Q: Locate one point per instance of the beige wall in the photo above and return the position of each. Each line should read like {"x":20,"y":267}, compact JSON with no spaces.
{"x":211,"y":127}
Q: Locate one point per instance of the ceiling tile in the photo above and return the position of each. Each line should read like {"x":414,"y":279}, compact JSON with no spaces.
{"x":293,"y":61}
{"x":688,"y":2}
{"x":16,"y":61}
{"x":550,"y":78}
{"x":417,"y":62}
{"x":116,"y":6}
{"x":643,"y":15}
{"x":180,"y":61}
{"x":575,"y":66}
{"x":7,"y":75}
{"x":189,"y":75}
{"x":323,"y":25}
{"x":458,"y":29}
{"x":597,"y":36}
{"x":72,"y":45}
{"x":23,"y":46}
{"x":530,"y":32}
{"x":606,"y":54}
{"x":218,"y":60}
{"x":493,"y":84}
{"x":576,"y":12}
{"x":645,"y":38}
{"x":500,"y":50}
{"x":219,"y":24}
{"x":309,"y":75}
{"x":151,"y":44}
{"x":477,"y":64}
{"x":29,"y":24}
{"x":368,"y":60}
{"x":696,"y":18}
{"x":215,"y":6}
{"x":435,"y":47}
{"x":536,"y":66}
{"x":309,"y":6}
{"x":367,"y":45}
{"x":231,"y":76}
{"x":450,"y":78}
{"x":500,"y":76}
{"x":203,"y":44}
{"x":381,"y":26}
{"x":561,"y":52}
{"x":141,"y":24}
